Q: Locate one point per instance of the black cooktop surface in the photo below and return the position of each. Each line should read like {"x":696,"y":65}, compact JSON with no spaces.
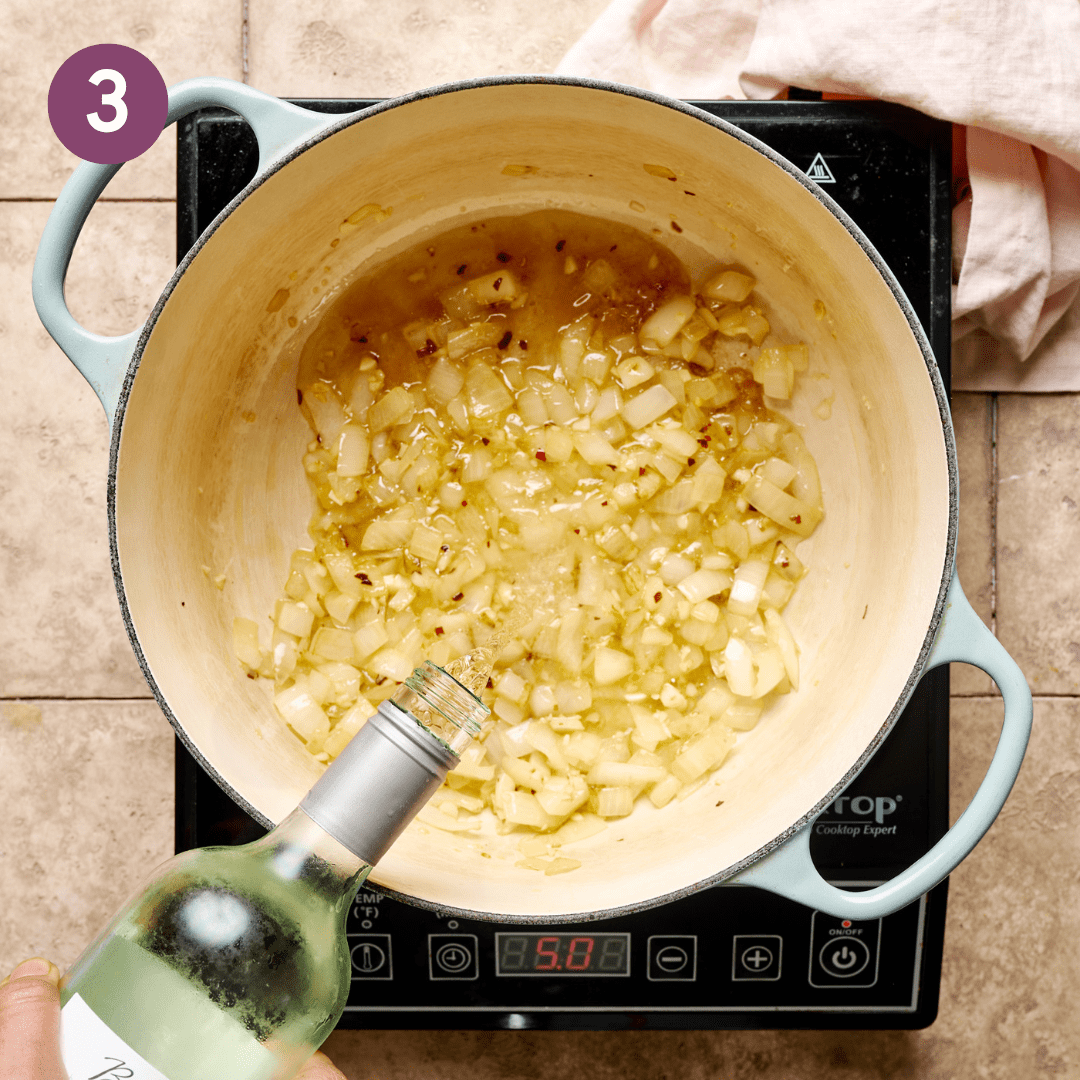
{"x":729,"y":957}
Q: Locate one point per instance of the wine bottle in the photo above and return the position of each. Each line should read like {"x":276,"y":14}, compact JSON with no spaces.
{"x":232,"y":962}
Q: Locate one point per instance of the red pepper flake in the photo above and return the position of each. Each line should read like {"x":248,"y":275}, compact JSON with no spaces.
{"x":797,"y":518}
{"x":496,"y":283}
{"x":445,"y":547}
{"x":506,"y":339}
{"x":523,"y":345}
{"x":503,"y":257}
{"x":691,"y":461}
{"x":613,"y":247}
{"x":641,"y":471}
{"x":364,"y":579}
{"x":677,"y":227}
{"x":461,"y":269}
{"x":541,"y":456}
{"x":604,"y":503}
{"x":657,"y":597}
{"x":299,"y":396}
{"x":428,"y":349}
{"x":458,"y":596}
{"x":785,"y":564}
{"x":485,"y":441}
{"x":464,"y":502}
{"x":560,"y":245}
{"x":703,"y":442}
{"x":439,"y":631}
{"x":578,"y":531}
{"x":346,"y":540}
{"x":685,"y":192}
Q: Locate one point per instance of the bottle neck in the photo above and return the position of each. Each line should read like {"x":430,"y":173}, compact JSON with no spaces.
{"x":395,"y":762}
{"x":301,"y":850}
{"x":442,"y":705}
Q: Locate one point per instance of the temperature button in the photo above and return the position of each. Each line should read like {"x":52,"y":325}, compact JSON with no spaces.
{"x":672,"y":959}
{"x":371,"y":956}
{"x":843,"y":952}
{"x":756,"y":957}
{"x":452,"y":957}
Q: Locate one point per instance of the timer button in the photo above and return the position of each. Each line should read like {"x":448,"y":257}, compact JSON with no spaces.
{"x":371,"y":956}
{"x":453,"y":957}
{"x":756,"y":957}
{"x":672,"y":958}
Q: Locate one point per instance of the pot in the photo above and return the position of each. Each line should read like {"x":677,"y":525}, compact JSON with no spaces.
{"x":207,"y":441}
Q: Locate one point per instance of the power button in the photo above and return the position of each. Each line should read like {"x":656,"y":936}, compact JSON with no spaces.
{"x":843,"y":952}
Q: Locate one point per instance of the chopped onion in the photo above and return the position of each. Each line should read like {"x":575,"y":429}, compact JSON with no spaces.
{"x":393,"y":408}
{"x":786,"y":644}
{"x":664,"y":323}
{"x":633,"y":371}
{"x":746,"y":588}
{"x":444,"y":381}
{"x":705,"y":583}
{"x":786,"y":510}
{"x":594,"y":448}
{"x":614,"y":802}
{"x":532,"y":408}
{"x":246,"y":642}
{"x":729,"y":286}
{"x":739,"y":667}
{"x":611,"y":665}
{"x":295,"y":618}
{"x":582,"y":478}
{"x":486,"y":392}
{"x":332,"y":643}
{"x":648,"y":406}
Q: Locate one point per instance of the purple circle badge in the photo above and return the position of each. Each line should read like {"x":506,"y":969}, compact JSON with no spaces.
{"x":108,"y":104}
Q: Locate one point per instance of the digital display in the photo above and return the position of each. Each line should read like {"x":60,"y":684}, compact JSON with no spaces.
{"x":562,"y":954}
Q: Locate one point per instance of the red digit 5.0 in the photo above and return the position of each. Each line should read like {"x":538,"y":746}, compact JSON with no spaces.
{"x":579,"y":960}
{"x":551,"y":954}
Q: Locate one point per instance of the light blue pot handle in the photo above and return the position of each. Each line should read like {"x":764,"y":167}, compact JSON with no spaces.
{"x":789,"y":871}
{"x":279,"y":127}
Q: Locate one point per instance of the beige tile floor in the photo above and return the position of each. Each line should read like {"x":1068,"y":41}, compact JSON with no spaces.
{"x":86,"y":758}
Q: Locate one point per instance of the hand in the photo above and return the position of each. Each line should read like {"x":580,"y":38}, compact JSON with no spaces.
{"x":30,"y":1023}
{"x":30,"y":1028}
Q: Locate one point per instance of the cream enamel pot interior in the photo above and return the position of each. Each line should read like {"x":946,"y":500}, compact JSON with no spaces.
{"x":193,"y":483}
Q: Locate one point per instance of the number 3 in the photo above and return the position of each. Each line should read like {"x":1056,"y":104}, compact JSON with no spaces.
{"x":115,"y":98}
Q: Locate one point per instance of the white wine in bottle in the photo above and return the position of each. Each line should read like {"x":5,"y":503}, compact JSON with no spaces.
{"x":232,"y":962}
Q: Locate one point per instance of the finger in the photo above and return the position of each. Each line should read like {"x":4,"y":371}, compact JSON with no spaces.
{"x":320,"y":1067}
{"x":30,"y":1023}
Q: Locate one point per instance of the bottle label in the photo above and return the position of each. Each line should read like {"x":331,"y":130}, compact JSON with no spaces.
{"x":93,"y":1051}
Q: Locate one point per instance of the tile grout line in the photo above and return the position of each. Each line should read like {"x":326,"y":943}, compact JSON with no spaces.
{"x":88,"y":700}
{"x":52,"y":199}
{"x":993,"y":511}
{"x":244,"y":37}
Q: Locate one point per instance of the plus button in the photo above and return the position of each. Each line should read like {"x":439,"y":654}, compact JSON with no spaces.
{"x":757,"y":959}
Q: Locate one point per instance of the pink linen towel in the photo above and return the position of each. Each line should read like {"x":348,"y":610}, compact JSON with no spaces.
{"x":1007,"y":69}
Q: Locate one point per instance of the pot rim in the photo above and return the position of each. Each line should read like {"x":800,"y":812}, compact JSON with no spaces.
{"x":940,"y":394}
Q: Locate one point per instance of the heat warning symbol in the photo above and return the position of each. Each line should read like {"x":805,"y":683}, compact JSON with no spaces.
{"x":820,"y":172}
